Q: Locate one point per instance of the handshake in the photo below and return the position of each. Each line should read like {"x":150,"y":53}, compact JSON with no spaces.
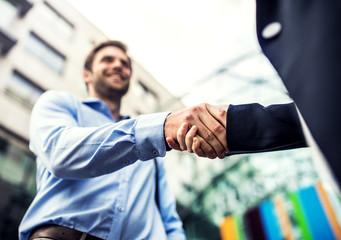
{"x":200,"y":129}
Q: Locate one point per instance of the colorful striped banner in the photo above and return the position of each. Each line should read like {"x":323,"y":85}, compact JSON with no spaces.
{"x":253,"y":224}
{"x":232,"y":229}
{"x":310,"y":213}
{"x":270,"y":221}
{"x":328,"y":209}
{"x":284,"y":219}
{"x":228,"y":229}
{"x":300,"y":217}
{"x":315,"y":216}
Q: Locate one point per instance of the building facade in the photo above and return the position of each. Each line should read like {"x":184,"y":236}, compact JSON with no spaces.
{"x":43,"y":45}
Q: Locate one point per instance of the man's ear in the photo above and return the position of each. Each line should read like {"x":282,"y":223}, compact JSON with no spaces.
{"x":87,"y":75}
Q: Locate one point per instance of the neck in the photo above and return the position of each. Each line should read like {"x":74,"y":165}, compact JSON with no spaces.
{"x":114,"y":105}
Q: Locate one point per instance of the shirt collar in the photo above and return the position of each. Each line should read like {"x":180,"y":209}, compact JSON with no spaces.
{"x":100,"y":106}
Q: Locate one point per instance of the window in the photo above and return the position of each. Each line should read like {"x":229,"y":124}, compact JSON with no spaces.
{"x":8,"y":13}
{"x":54,"y":19}
{"x":6,"y":42}
{"x":23,"y":90}
{"x":17,"y":166}
{"x":45,"y":53}
{"x":17,"y":182}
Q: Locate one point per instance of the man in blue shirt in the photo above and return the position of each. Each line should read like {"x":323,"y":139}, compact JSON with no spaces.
{"x":93,"y":177}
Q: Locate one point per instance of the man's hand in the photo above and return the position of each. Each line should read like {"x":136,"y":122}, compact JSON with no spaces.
{"x":200,"y":129}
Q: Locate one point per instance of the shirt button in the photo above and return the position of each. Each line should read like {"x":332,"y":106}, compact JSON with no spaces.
{"x":155,"y":152}
{"x":271,"y":30}
{"x":121,"y":209}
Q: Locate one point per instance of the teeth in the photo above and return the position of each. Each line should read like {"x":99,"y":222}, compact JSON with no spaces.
{"x":114,"y":75}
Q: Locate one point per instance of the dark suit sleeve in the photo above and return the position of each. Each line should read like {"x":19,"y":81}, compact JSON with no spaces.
{"x":253,"y":128}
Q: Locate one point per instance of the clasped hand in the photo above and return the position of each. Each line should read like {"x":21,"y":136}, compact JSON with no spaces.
{"x":200,"y":129}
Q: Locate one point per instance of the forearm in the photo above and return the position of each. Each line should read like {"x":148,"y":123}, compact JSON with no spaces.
{"x":68,"y":148}
{"x":73,"y":152}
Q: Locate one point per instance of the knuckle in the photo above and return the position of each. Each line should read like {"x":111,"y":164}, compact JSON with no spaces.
{"x":220,"y":151}
{"x":210,"y":152}
{"x":209,"y":137}
{"x":217,"y":128}
{"x":188,"y":117}
{"x":198,"y":108}
{"x":203,"y":105}
{"x":222,"y":113}
{"x":180,"y":134}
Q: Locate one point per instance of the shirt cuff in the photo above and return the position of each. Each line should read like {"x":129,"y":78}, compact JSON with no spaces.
{"x":149,"y":134}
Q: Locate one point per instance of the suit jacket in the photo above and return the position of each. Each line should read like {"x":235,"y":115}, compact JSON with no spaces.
{"x":302,"y":41}
{"x":306,"y":52}
{"x":254,"y":128}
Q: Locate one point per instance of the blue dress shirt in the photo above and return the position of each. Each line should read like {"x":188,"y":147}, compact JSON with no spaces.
{"x":93,"y":174}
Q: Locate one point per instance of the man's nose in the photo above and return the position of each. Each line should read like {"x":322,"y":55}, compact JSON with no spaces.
{"x":116,"y":64}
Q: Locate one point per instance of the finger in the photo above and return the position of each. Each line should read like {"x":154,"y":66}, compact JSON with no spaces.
{"x":196,"y":148}
{"x":215,"y":134}
{"x":218,"y":112}
{"x":181,"y":135}
{"x":210,"y":137}
{"x":206,"y":148}
{"x":189,"y":138}
{"x":199,"y":116}
{"x":172,"y":144}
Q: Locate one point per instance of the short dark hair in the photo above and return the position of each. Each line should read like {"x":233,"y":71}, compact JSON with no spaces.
{"x":90,"y":58}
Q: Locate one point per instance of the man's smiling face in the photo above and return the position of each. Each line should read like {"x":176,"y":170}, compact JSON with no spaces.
{"x":111,"y":72}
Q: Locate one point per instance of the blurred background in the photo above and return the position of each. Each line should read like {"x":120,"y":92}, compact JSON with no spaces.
{"x":184,"y":53}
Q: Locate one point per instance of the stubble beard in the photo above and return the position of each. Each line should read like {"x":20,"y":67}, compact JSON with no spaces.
{"x":108,"y":92}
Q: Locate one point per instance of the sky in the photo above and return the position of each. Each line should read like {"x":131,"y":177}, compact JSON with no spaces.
{"x":181,"y":42}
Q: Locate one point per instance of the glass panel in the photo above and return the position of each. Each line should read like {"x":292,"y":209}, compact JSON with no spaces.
{"x":17,"y":185}
{"x":45,"y":53}
{"x":23,"y":90}
{"x":238,"y":183}
{"x":17,"y":166}
{"x":8,"y":13}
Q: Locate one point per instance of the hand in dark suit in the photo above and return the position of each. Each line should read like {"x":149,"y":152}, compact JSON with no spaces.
{"x":249,"y":128}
